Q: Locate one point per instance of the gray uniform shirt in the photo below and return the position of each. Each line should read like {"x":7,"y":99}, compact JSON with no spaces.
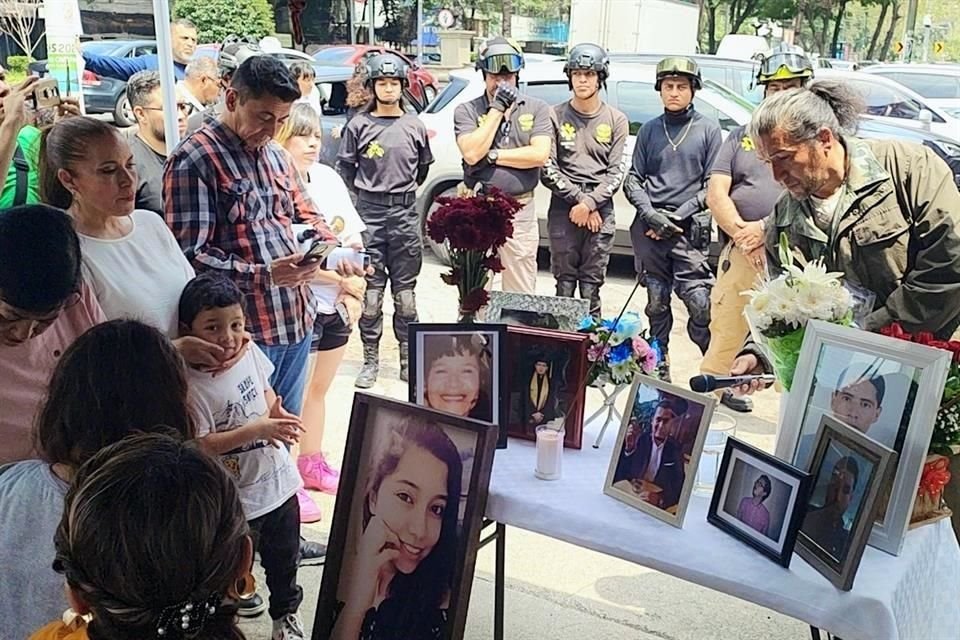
{"x":753,"y":189}
{"x":149,"y":175}
{"x":31,"y":504}
{"x":673,"y":179}
{"x":530,"y":118}
{"x":587,"y":150}
{"x":384,"y":153}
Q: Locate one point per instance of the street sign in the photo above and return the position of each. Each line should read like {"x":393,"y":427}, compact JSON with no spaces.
{"x":938,"y":47}
{"x":898,"y":47}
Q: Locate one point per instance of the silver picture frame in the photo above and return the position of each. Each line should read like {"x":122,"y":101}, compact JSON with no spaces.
{"x":911,"y":445}
{"x":543,"y":312}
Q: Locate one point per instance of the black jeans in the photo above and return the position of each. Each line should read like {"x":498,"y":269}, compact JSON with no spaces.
{"x":276,"y":536}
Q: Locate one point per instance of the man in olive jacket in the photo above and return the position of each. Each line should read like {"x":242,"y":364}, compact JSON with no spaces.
{"x":884,"y":213}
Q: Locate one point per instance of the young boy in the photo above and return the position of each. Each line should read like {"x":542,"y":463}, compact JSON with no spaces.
{"x":241,"y":420}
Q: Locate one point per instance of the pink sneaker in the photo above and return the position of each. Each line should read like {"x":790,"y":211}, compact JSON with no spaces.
{"x":317,"y":474}
{"x":309,"y":511}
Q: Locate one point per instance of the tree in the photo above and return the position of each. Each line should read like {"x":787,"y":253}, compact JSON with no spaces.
{"x":217,"y":19}
{"x":507,"y":9}
{"x":17,"y":19}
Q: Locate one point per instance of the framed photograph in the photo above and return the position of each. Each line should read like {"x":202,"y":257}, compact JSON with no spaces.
{"x":547,"y":374}
{"x":760,"y":500}
{"x":407,"y":520}
{"x":460,"y":369}
{"x":886,"y":388}
{"x":657,"y":452}
{"x":849,"y":471}
{"x":539,"y":312}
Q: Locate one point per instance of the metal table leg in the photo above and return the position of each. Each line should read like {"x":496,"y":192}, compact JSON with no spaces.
{"x":609,"y":405}
{"x":499,"y":581}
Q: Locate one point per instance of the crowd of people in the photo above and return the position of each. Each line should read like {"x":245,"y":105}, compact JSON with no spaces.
{"x":157,"y":308}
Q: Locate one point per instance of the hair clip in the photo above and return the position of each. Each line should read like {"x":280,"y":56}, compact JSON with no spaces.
{"x":187,"y":618}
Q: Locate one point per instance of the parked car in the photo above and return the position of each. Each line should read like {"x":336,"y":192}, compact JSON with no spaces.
{"x":107,"y":95}
{"x":288,"y":56}
{"x":739,"y":75}
{"x":629,"y":88}
{"x":351,"y":54}
{"x":843,"y":65}
{"x":895,"y":103}
{"x":939,"y":84}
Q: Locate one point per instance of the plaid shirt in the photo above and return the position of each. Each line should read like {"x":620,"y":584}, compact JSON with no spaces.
{"x":231,"y":208}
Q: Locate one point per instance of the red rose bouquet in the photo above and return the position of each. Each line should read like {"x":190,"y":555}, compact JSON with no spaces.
{"x":474,"y":229}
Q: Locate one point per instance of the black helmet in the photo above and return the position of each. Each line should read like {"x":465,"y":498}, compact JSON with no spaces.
{"x":784,"y":63}
{"x":234,"y":50}
{"x":500,"y":55}
{"x":386,"y":65}
{"x":589,"y":57}
{"x":678,"y":66}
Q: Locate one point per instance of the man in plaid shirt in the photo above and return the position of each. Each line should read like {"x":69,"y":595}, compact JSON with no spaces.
{"x":231,"y":196}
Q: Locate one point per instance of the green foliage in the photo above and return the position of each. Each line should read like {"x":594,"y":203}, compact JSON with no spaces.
{"x":216,"y":19}
{"x":18,"y":64}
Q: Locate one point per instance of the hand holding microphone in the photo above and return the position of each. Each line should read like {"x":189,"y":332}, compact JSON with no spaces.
{"x":707,"y":383}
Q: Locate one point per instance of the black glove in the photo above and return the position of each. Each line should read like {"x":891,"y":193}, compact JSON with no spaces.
{"x":661,"y":224}
{"x":504,"y":97}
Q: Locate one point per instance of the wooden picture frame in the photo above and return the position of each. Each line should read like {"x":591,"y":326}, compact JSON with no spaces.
{"x":553,"y":313}
{"x":771,"y":525}
{"x":686,"y":422}
{"x":566,"y":355}
{"x":414,"y":448}
{"x":479,"y":348}
{"x":836,"y":552}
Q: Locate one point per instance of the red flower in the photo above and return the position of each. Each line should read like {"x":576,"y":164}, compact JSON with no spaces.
{"x":493,"y":264}
{"x":476,"y":223}
{"x":924,"y":337}
{"x":474,"y":301}
{"x":895,"y":330}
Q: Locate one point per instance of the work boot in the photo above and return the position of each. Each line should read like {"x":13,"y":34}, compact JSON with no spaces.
{"x":404,"y":361}
{"x":663,"y":370}
{"x":591,"y":292}
{"x":371,"y":367}
{"x":741,"y":404}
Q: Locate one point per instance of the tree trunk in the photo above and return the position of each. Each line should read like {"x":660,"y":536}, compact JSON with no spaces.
{"x":507,"y":9}
{"x":888,"y":40}
{"x":872,"y":51}
{"x":836,"y":29}
{"x":746,"y":11}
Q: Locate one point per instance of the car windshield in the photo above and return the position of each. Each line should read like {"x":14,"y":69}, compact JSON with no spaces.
{"x":730,"y":95}
{"x":451,"y":91}
{"x":334,"y":55}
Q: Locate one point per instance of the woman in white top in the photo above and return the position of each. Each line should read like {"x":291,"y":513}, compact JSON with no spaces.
{"x":130,"y":257}
{"x":300,"y":136}
{"x":306,"y":80}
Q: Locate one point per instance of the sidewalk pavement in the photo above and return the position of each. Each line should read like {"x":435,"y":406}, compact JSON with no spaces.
{"x":553,"y":589}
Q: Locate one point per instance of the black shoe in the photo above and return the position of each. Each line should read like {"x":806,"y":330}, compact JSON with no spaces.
{"x":312,"y":552}
{"x":251,"y":607}
{"x":740,"y":404}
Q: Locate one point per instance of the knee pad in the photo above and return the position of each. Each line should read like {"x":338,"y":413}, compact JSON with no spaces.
{"x":698,"y":305}
{"x":372,"y":303}
{"x":658,"y":297}
{"x":405,"y":303}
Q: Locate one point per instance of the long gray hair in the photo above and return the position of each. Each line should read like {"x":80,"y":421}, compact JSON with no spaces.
{"x":802,"y":113}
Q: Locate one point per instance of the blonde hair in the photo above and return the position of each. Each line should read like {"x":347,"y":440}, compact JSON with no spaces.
{"x":303,"y":121}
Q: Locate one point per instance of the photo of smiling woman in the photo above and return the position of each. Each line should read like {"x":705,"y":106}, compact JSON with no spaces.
{"x":457,"y":373}
{"x":399,"y":580}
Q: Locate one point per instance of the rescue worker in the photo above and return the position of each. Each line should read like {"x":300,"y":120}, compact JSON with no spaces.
{"x":504,"y":139}
{"x":384,"y":155}
{"x":587,"y":166}
{"x":666,"y":184}
{"x":740,"y":195}
{"x":884,"y":213}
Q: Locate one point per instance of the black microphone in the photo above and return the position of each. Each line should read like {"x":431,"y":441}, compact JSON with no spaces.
{"x":705,"y":384}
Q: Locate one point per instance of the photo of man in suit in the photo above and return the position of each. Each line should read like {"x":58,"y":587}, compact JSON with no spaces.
{"x":652,"y":459}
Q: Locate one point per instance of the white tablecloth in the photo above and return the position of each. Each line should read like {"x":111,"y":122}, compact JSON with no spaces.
{"x":915,"y":596}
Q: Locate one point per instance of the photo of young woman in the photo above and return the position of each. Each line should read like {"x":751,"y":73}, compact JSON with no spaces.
{"x":457,"y":374}
{"x":398,"y":582}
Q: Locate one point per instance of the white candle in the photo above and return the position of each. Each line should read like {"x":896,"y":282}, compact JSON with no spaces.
{"x":549,"y":452}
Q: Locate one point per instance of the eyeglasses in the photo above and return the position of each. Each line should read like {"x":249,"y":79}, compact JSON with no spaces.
{"x":10,"y":314}
{"x":186,"y":107}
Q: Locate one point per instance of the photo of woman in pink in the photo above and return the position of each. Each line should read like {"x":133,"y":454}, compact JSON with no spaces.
{"x":751,"y":511}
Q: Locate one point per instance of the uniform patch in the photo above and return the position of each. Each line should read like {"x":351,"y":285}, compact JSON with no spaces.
{"x":747,"y":143}
{"x":604,"y":134}
{"x":526,"y":121}
{"x":374,"y":151}
{"x":481,"y":119}
{"x":568,"y":132}
{"x":337,"y":225}
{"x":232,"y":463}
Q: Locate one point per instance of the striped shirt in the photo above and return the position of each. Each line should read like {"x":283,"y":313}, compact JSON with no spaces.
{"x":231,"y":209}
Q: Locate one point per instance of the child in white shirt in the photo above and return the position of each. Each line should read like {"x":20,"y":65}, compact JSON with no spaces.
{"x":241,"y":420}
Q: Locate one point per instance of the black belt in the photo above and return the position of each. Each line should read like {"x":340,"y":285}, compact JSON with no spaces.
{"x":405,"y":199}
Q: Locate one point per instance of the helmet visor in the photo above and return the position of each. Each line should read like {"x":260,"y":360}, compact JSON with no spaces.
{"x":785,"y":66}
{"x":502,"y":63}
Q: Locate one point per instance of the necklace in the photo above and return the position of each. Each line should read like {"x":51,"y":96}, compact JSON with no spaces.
{"x":676,"y":144}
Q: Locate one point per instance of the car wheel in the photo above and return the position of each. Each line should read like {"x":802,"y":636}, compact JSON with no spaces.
{"x":439,"y":249}
{"x":123,"y":113}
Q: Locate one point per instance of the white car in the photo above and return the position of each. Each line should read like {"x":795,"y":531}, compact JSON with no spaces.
{"x":629,"y":88}
{"x":891,"y":101}
{"x":938,"y":83}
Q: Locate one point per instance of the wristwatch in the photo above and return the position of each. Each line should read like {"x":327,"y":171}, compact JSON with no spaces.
{"x":492,"y":156}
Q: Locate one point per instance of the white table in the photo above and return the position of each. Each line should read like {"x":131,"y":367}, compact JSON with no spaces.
{"x":915,"y":596}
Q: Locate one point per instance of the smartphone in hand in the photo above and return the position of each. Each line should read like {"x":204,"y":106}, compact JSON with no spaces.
{"x":319,"y":250}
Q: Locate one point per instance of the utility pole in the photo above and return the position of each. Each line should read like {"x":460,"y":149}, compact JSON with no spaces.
{"x":910,"y":36}
{"x":372,"y":12}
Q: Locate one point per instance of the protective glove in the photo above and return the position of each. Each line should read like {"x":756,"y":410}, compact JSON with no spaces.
{"x":661,"y":225}
{"x":503,"y":97}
